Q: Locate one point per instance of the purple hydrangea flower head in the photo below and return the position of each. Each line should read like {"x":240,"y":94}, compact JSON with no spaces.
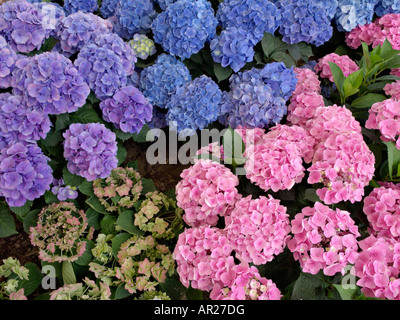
{"x":233,"y":47}
{"x":282,"y":80}
{"x":20,"y":123}
{"x":133,"y":16}
{"x":184,"y":27}
{"x":72,"y":6}
{"x":52,"y":12}
{"x":387,"y":6}
{"x":49,"y":82}
{"x":122,"y":49}
{"x":8,"y":58}
{"x":194,"y":105}
{"x":24,"y":173}
{"x":251,"y":103}
{"x":79,"y":29}
{"x":21,"y":24}
{"x":253,"y":16}
{"x":160,"y":80}
{"x":108,"y":7}
{"x":353,"y":13}
{"x":63,"y":192}
{"x":90,"y":150}
{"x":102,"y":69}
{"x":128,"y":110}
{"x":306,"y":21}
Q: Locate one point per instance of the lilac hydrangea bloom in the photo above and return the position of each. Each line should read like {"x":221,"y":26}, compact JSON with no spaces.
{"x":90,"y":150}
{"x":122,"y":49}
{"x":387,"y":6}
{"x":184,"y":27}
{"x":52,"y":12}
{"x":253,"y":16}
{"x":233,"y":47}
{"x":24,"y":173}
{"x":79,"y":29}
{"x":160,"y":80}
{"x":306,"y":21}
{"x":133,"y":16}
{"x":19,"y":123}
{"x":108,"y":7}
{"x":194,"y":105}
{"x":282,"y":80}
{"x":102,"y":69}
{"x":63,"y":192}
{"x":128,"y":110}
{"x":8,"y":58}
{"x":352,"y":13}
{"x":72,"y":6}
{"x":21,"y":24}
{"x":251,"y":103}
{"x":50,"y":82}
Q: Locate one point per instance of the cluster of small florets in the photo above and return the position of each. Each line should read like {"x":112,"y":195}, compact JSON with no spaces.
{"x":52,"y":12}
{"x":344,"y":62}
{"x":125,"y":183}
{"x":73,"y":6}
{"x":194,"y":105}
{"x":383,"y":116}
{"x":59,"y":232}
{"x":86,"y":290}
{"x":206,"y":192}
{"x":142,"y":46}
{"x":353,"y":13}
{"x":257,"y":229}
{"x":184,"y":27}
{"x":24,"y":173}
{"x":324,"y":239}
{"x":90,"y":150}
{"x":247,"y":285}
{"x":387,"y":6}
{"x":62,"y":191}
{"x":10,"y":288}
{"x":20,"y":123}
{"x":8,"y":58}
{"x":107,"y":8}
{"x":160,"y":80}
{"x":251,"y":102}
{"x":128,"y":109}
{"x":49,"y":82}
{"x":143,"y":274}
{"x":393,"y":90}
{"x":21,"y":24}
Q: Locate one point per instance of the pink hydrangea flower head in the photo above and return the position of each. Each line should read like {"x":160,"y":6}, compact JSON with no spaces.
{"x":203,"y":258}
{"x":344,"y":62}
{"x":307,"y":81}
{"x":302,"y":107}
{"x":258,"y":229}
{"x":388,"y":29}
{"x":247,"y":285}
{"x":324,"y":239}
{"x":393,"y":90}
{"x":378,"y":267}
{"x":382,"y":208}
{"x":206,"y":192}
{"x":363,"y":33}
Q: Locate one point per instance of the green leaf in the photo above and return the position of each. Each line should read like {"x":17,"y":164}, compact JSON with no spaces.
{"x":311,"y":195}
{"x":271,"y":44}
{"x":86,"y":114}
{"x":338,"y":77}
{"x":68,"y":274}
{"x":222,"y":73}
{"x":70,"y":179}
{"x":7,"y":223}
{"x":142,"y":135}
{"x":107,"y":224}
{"x":34,"y":280}
{"x":62,"y":121}
{"x":22,"y":211}
{"x":148,"y":186}
{"x":345,"y":294}
{"x":53,"y":138}
{"x":123,"y":136}
{"x":87,"y":256}
{"x":30,"y":220}
{"x":126,"y":223}
{"x":378,"y":86}
{"x":121,"y":153}
{"x":95,"y":204}
{"x":281,"y":56}
{"x":393,"y":157}
{"x":117,"y":241}
{"x":93,"y":218}
{"x":366,"y":101}
{"x":50,"y":197}
{"x":294,"y":51}
{"x":388,"y":78}
{"x":304,"y":287}
{"x":121,"y":292}
{"x":86,"y":187}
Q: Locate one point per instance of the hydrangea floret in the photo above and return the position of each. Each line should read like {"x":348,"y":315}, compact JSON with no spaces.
{"x":73,"y":6}
{"x":347,"y":65}
{"x":353,"y":13}
{"x":142,"y":46}
{"x":62,"y":191}
{"x":86,"y":290}
{"x":107,"y":8}
{"x":8,"y":58}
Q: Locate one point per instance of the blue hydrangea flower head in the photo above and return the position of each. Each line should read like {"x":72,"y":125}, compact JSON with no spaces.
{"x":128,"y":110}
{"x":79,"y":29}
{"x":107,"y":8}
{"x":52,"y":12}
{"x":20,"y":123}
{"x":102,"y":70}
{"x":251,"y":103}
{"x":164,"y":4}
{"x":282,"y":80}
{"x":72,"y":6}
{"x":49,"y":82}
{"x":160,"y":80}
{"x":21,"y":24}
{"x":185,"y":27}
{"x":133,"y":16}
{"x":90,"y":150}
{"x":234,"y":47}
{"x":254,"y":16}
{"x":8,"y":58}
{"x":353,"y":13}
{"x":159,"y":120}
{"x":24,"y":173}
{"x":387,"y":6}
{"x":306,"y":21}
{"x":194,"y":105}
